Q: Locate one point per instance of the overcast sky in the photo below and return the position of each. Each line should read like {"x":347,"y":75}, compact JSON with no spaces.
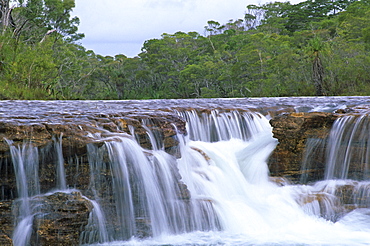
{"x":116,"y":27}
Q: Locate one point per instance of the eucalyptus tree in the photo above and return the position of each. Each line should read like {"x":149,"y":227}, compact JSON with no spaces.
{"x":6,"y":19}
{"x":34,"y":19}
{"x":37,"y":35}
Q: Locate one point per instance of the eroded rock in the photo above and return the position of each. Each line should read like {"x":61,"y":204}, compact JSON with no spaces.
{"x":292,"y":131}
{"x":6,"y":223}
{"x":61,"y":218}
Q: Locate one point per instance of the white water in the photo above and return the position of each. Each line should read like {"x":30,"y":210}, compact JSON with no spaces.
{"x":61,"y":176}
{"x":349,"y":134}
{"x":254,"y":211}
{"x":233,"y":175}
{"x":233,"y":201}
{"x":151,"y":176}
{"x":25,"y":161}
{"x":95,"y":230}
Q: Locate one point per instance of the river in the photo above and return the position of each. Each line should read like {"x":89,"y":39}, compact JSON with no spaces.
{"x":233,"y":199}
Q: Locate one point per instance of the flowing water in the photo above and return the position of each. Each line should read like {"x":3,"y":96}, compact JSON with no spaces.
{"x":223,"y":163}
{"x":25,"y":161}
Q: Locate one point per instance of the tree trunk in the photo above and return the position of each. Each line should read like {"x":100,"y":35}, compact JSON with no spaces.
{"x":318,"y":75}
{"x":5,"y":15}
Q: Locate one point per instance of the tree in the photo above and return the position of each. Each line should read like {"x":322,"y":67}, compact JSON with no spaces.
{"x":57,"y":14}
{"x":316,"y":45}
{"x":32,"y":20}
{"x":6,"y":19}
{"x":37,"y":39}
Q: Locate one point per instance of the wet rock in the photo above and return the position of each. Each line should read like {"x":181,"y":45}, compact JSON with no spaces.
{"x":6,"y":223}
{"x":75,"y":132}
{"x":280,"y":181}
{"x":292,"y":131}
{"x":335,"y":199}
{"x":183,"y":192}
{"x":143,"y":227}
{"x":61,"y":219}
{"x":17,"y":132}
{"x":325,"y":205}
{"x":62,"y":216}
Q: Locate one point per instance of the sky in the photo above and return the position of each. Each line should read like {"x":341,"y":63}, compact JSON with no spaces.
{"x":114,"y":27}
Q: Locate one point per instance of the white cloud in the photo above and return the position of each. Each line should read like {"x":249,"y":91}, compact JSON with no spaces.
{"x":121,"y":26}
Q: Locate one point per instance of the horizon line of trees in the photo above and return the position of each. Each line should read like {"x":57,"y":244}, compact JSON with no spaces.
{"x":315,"y":47}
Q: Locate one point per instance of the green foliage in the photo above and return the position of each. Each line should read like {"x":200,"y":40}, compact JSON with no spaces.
{"x":36,"y":48}
{"x":316,"y":47}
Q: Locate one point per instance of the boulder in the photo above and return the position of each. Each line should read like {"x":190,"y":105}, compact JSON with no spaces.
{"x":293,"y":130}
{"x":61,"y":219}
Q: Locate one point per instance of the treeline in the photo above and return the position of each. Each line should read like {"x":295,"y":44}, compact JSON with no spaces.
{"x":317,"y":47}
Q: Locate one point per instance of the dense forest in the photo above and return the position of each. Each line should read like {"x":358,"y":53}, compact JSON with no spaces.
{"x":315,"y":47}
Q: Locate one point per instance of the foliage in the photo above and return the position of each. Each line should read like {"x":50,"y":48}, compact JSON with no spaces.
{"x":316,"y":47}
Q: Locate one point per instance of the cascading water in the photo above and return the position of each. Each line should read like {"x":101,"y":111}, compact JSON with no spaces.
{"x":345,"y":184}
{"x":349,"y":145}
{"x":227,"y":167}
{"x":215,"y":126}
{"x":29,"y":206}
{"x":217,"y":191}
{"x":61,"y":176}
{"x":146,"y":191}
{"x":95,"y":230}
{"x":25,"y":161}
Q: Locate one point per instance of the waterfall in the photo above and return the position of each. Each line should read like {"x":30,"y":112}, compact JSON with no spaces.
{"x":314,"y":147}
{"x":348,"y":145}
{"x":227,"y":167}
{"x":61,"y":176}
{"x":154,"y":137}
{"x":345,"y":184}
{"x":95,"y":230}
{"x":215,"y":126}
{"x":25,"y":161}
{"x":215,"y":190}
{"x":29,"y":205}
{"x":146,"y":190}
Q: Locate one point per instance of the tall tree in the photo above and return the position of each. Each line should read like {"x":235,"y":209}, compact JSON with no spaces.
{"x":317,"y":45}
{"x":6,"y":19}
{"x":33,"y":20}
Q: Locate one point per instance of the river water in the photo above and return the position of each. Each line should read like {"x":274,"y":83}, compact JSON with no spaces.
{"x":80,"y":109}
{"x":247,"y":207}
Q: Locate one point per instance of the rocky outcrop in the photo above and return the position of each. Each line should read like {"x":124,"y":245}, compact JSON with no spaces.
{"x":6,"y":222}
{"x":73,"y":134}
{"x":61,"y":218}
{"x":74,"y":131}
{"x":293,"y":130}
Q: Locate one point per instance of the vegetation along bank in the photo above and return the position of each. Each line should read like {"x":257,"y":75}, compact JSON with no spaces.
{"x":316,"y":47}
